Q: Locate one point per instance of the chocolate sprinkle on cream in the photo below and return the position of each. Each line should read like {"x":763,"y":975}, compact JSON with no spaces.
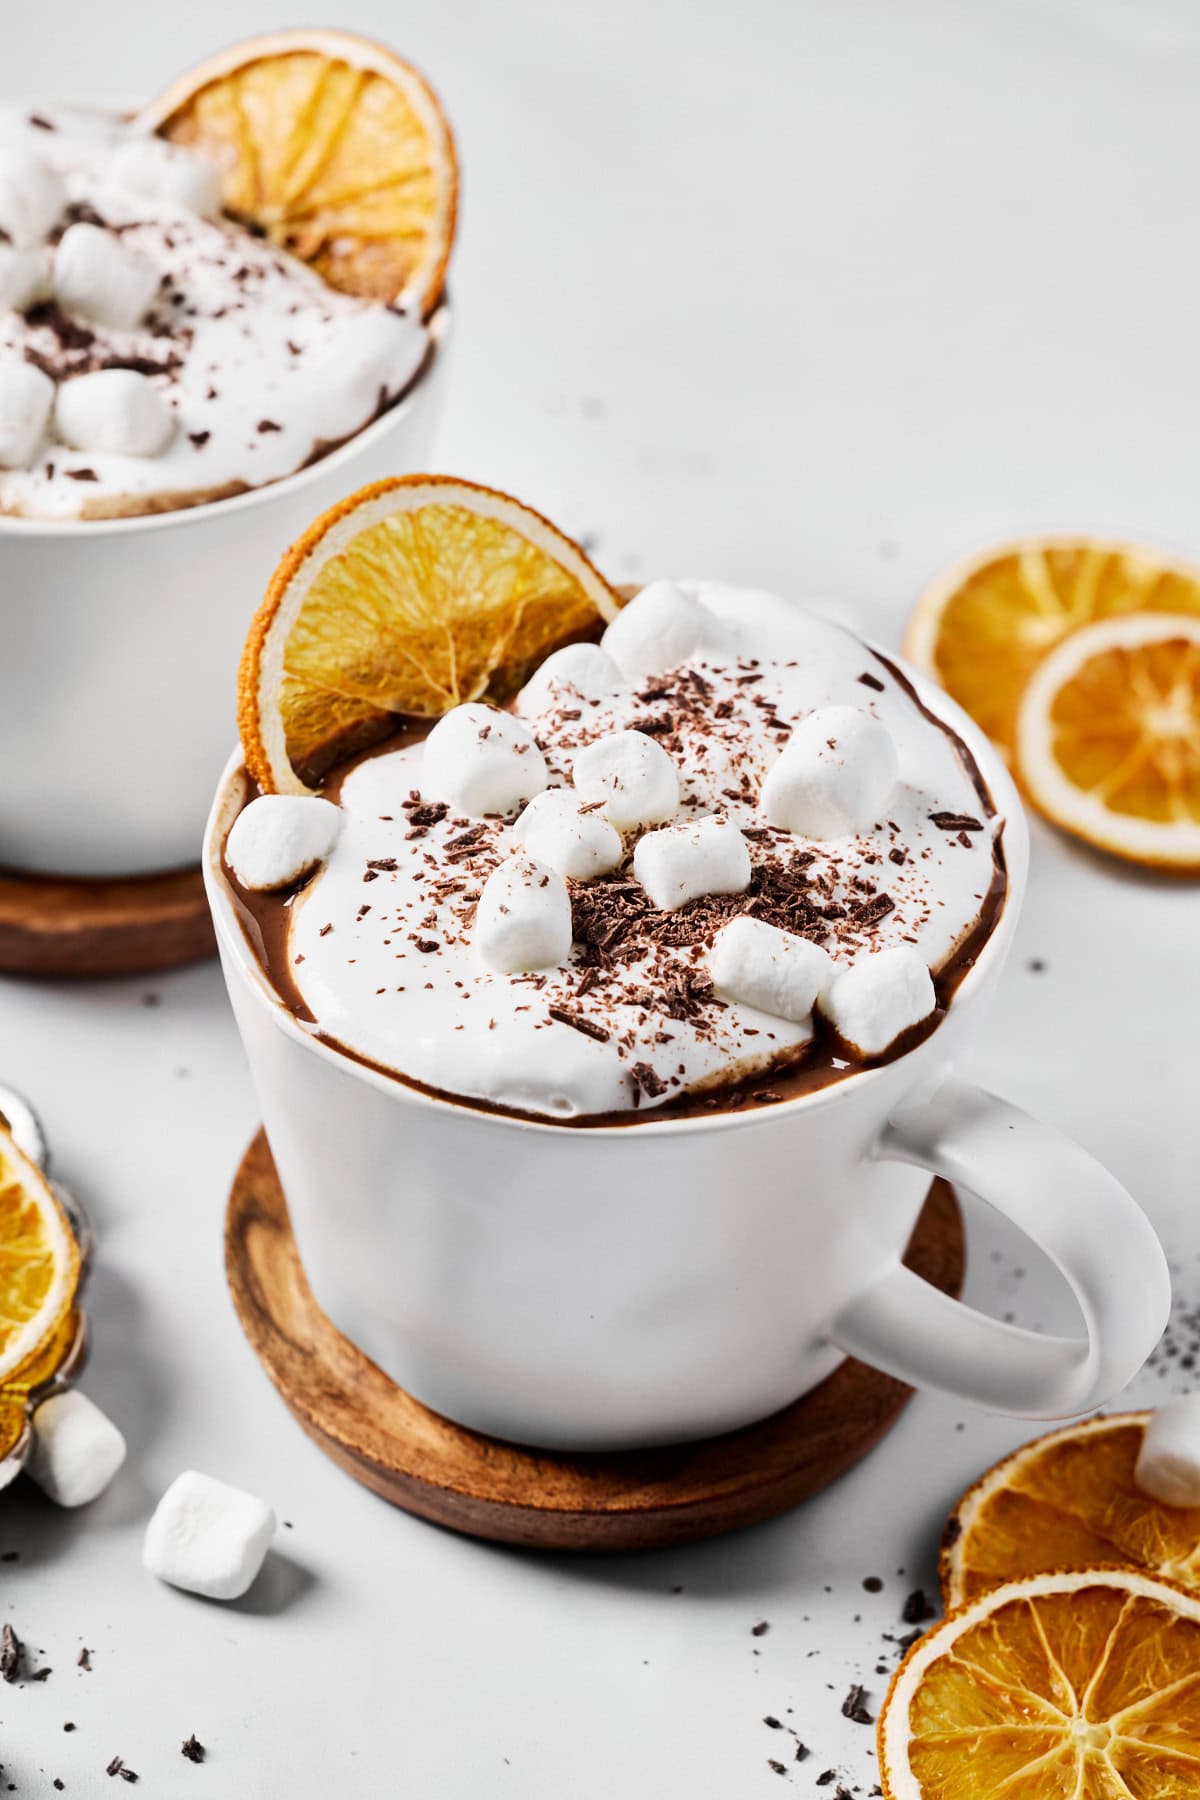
{"x":578,"y":1023}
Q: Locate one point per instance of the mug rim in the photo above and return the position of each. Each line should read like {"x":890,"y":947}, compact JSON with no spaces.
{"x":16,"y":525}
{"x":1008,"y":806}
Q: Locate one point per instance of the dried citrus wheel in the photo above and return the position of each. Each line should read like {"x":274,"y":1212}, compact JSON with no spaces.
{"x":1068,"y":1686}
{"x":411,"y":596}
{"x":1108,"y":738}
{"x":1067,"y":1501}
{"x":982,"y":628}
{"x":39,"y":1261}
{"x":335,"y":148}
{"x":62,"y":1350}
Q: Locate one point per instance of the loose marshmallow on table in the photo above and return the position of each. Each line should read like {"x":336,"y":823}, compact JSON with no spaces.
{"x":1168,"y":1464}
{"x":870,"y":1003}
{"x":24,"y":277}
{"x":523,"y":918}
{"x":76,"y":1449}
{"x":32,"y":197}
{"x":98,"y":277}
{"x":685,"y":861}
{"x":208,"y":1538}
{"x":834,"y":777}
{"x":585,"y":669}
{"x":280,"y":837}
{"x":632,"y":775}
{"x":26,"y":401}
{"x":759,"y":965}
{"x":116,"y":411}
{"x":554,"y":831}
{"x":660,"y":628}
{"x":164,"y":171}
{"x":481,"y":762}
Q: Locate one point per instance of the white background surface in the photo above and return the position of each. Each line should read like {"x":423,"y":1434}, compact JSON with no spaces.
{"x":816,"y":296}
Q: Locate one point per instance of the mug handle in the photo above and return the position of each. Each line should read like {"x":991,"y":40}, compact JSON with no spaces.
{"x":1090,"y":1227}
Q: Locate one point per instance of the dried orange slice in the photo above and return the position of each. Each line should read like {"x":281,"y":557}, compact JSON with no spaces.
{"x":1069,"y":1686}
{"x":1067,"y":1501}
{"x":335,"y":148}
{"x":411,"y":596}
{"x":983,"y":627}
{"x":39,"y":1262}
{"x":1108,"y":738}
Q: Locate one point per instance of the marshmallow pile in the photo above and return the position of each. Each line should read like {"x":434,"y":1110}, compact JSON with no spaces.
{"x":590,"y":903}
{"x":833,"y":779}
{"x":91,"y":275}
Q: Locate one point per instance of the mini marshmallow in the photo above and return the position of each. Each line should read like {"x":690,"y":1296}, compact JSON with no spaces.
{"x":76,"y":1449}
{"x":870,"y":1003}
{"x":280,"y":837}
{"x":116,"y":411}
{"x":554,"y":831}
{"x":1168,"y":1464}
{"x":834,"y":777}
{"x":662,"y":627}
{"x":98,"y":277}
{"x":26,"y":400}
{"x":482,"y":762}
{"x":523,"y":919}
{"x":208,"y":1538}
{"x":685,"y":861}
{"x":165,"y":171}
{"x":632,"y":775}
{"x":32,"y":197}
{"x":24,"y":277}
{"x":583,"y":669}
{"x":774,"y":971}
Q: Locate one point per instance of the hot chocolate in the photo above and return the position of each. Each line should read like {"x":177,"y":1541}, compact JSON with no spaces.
{"x":154,"y":353}
{"x":720,"y":857}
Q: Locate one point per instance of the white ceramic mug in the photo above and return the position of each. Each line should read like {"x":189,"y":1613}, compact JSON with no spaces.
{"x":121,"y":641}
{"x":602,"y":1288}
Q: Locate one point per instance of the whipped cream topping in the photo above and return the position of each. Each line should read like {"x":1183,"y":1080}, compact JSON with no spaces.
{"x":385,"y":952}
{"x":110,"y":260}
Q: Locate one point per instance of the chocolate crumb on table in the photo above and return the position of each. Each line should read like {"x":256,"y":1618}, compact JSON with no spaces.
{"x":854,"y":1706}
{"x":761,"y":1629}
{"x":916,"y":1608}
{"x":11,"y":1654}
{"x":193,"y":1749}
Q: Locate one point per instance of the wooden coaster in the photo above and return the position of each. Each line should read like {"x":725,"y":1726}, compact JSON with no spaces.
{"x":634,"y":1500}
{"x":50,"y":925}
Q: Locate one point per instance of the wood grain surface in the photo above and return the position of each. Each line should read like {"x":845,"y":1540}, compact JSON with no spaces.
{"x":51,"y":925}
{"x":634,"y":1500}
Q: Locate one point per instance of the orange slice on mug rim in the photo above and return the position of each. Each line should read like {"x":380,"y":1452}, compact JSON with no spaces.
{"x":335,"y":149}
{"x":408,"y":598}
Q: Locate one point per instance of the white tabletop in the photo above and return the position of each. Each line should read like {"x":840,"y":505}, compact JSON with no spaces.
{"x":815,"y":296}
